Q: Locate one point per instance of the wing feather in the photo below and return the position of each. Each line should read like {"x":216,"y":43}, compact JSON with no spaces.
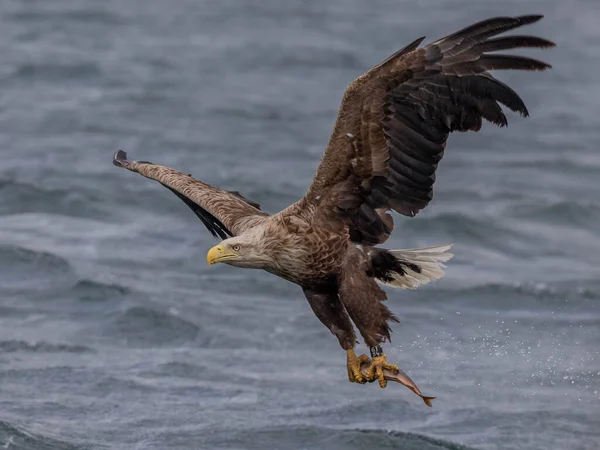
{"x":224,"y":213}
{"x":212,"y":224}
{"x":394,"y":122}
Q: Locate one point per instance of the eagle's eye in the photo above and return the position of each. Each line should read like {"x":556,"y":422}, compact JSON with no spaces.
{"x":236,"y":247}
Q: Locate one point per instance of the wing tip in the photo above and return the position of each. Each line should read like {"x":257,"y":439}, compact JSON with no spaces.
{"x":120,"y":159}
{"x":418,"y":42}
{"x":545,"y":43}
{"x":540,"y":65}
{"x":529,"y":18}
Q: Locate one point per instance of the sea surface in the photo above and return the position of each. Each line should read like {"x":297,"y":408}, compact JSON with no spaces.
{"x":114,"y":333}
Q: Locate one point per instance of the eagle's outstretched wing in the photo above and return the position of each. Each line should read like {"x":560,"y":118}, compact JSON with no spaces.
{"x":394,"y":121}
{"x":224,"y":213}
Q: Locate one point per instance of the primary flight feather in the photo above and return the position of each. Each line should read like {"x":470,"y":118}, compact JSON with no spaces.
{"x":382,"y":155}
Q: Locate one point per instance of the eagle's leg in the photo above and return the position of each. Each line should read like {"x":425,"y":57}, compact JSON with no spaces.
{"x":363,"y":300}
{"x":327,"y":306}
{"x":353,"y":364}
{"x":378,"y":365}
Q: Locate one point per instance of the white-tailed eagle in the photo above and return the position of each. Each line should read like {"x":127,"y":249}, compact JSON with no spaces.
{"x":386,"y":144}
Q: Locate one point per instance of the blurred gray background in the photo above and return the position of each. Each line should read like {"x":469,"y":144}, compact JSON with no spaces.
{"x":115,"y":334}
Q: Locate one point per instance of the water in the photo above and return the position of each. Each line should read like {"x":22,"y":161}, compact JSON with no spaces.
{"x":115,"y":334}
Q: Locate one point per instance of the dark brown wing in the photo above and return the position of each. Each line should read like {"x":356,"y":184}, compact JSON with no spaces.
{"x":394,"y":121}
{"x":224,"y":213}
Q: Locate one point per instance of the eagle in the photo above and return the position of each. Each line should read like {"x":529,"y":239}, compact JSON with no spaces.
{"x":389,"y":136}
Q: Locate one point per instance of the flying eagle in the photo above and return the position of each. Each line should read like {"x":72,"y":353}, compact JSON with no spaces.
{"x":382,"y":155}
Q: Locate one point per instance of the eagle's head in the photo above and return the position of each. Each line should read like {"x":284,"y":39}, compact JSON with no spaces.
{"x":246,"y":250}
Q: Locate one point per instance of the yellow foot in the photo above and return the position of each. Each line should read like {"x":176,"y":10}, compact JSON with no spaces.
{"x":375,"y":370}
{"x":353,"y":364}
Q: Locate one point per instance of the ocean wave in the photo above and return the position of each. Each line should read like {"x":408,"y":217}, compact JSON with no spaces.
{"x":86,"y":16}
{"x":572,"y":165}
{"x":181,"y":369}
{"x":482,"y":231}
{"x":566,"y":213}
{"x":26,"y":257}
{"x":525,"y":424}
{"x":13,"y":345}
{"x":28,"y":197}
{"x":315,"y":58}
{"x":55,"y":71}
{"x":545,"y":291}
{"x":301,"y":437}
{"x":254,"y":112}
{"x":20,"y":265}
{"x":90,"y":290}
{"x":574,"y":302}
{"x":149,"y":327}
{"x":16,"y":437}
{"x":47,"y":269}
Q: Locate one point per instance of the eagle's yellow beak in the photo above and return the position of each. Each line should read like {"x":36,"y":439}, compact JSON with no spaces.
{"x":218,"y":254}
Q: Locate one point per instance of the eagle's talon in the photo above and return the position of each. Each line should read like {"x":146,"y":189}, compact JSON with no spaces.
{"x":353,"y":364}
{"x":375,"y":370}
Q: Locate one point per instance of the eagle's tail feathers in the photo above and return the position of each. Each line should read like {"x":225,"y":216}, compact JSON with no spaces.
{"x":410,"y":268}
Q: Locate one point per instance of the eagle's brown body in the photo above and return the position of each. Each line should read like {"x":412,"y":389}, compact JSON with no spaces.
{"x":382,"y":155}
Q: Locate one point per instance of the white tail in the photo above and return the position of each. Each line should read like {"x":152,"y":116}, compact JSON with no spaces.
{"x":420,"y":266}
